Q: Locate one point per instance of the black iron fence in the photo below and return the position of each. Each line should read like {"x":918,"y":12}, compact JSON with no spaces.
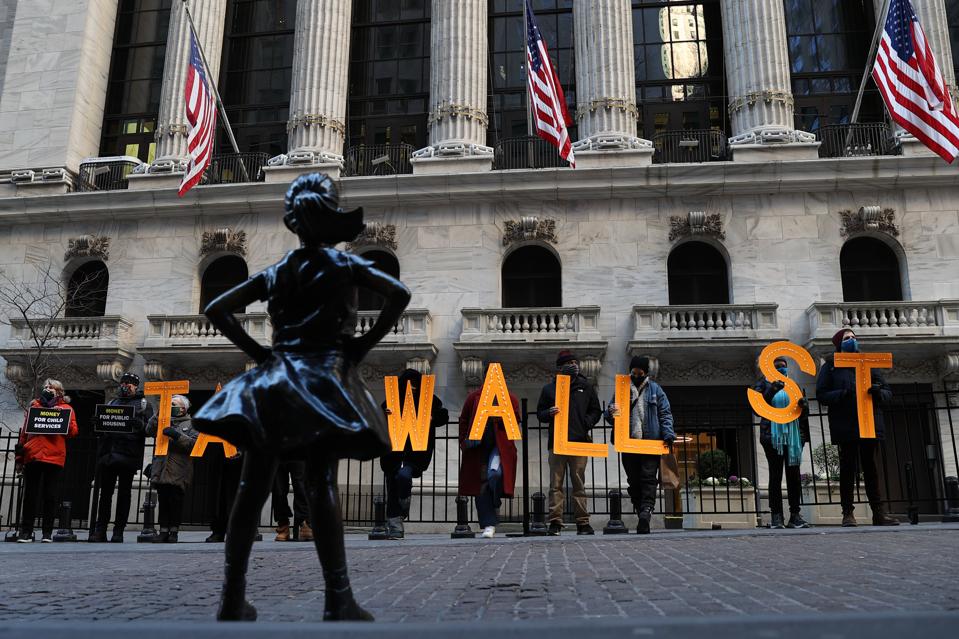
{"x":526,"y":152}
{"x":236,"y":168}
{"x":715,"y":448}
{"x":378,"y":159}
{"x":106,"y":174}
{"x":695,"y":145}
{"x":856,"y":140}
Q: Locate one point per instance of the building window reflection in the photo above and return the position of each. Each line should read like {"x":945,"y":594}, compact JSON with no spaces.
{"x":532,"y":278}
{"x":952,"y":19}
{"x":870,"y":271}
{"x":220,"y":276}
{"x":697,"y":274}
{"x":87,"y":290}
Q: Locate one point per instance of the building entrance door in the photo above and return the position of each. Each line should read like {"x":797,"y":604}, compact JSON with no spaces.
{"x":910,"y":451}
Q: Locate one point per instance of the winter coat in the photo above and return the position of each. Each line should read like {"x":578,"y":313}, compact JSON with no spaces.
{"x":50,"y":449}
{"x":474,"y":461}
{"x":764,"y":387}
{"x":584,"y":409}
{"x":125,"y":450}
{"x":836,"y":388}
{"x":659,"y":414}
{"x":419,"y":461}
{"x":176,"y":467}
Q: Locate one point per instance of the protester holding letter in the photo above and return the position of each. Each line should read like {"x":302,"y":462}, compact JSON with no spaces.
{"x":41,"y":458}
{"x":400,"y":468}
{"x":836,"y":388}
{"x":783,"y":445}
{"x":222,"y":496}
{"x":173,"y":472}
{"x":584,"y":412}
{"x":119,"y":456}
{"x":650,"y":417}
{"x":291,"y":471}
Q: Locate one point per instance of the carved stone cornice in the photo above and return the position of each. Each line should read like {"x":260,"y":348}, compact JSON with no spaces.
{"x":529,"y":227}
{"x":618,"y":104}
{"x":375,"y":234}
{"x":172,"y":128}
{"x":88,"y":246}
{"x":913,"y":370}
{"x":868,"y":218}
{"x":223,"y":240}
{"x":316,"y":119}
{"x":742,"y":101}
{"x":701,"y":371}
{"x":696,"y":223}
{"x":450,"y":109}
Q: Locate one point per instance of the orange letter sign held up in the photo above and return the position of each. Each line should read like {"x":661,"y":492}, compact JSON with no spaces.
{"x":203,"y":440}
{"x":624,"y":443}
{"x":494,"y":388}
{"x":864,"y":363}
{"x":561,"y":443}
{"x":407,"y":423}
{"x":767,"y":364}
{"x":166,"y":391}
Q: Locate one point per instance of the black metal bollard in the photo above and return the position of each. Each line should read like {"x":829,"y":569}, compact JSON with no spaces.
{"x":65,"y":532}
{"x":462,"y":530}
{"x":913,"y":509}
{"x":952,"y":500}
{"x":537,"y":527}
{"x":14,"y":532}
{"x":615,"y":525}
{"x":148,"y":508}
{"x":379,"y":530}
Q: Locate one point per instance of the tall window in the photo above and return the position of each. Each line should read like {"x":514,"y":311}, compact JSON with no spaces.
{"x":507,"y":50}
{"x":952,"y":19}
{"x":256,"y":73}
{"x":697,"y":275}
{"x":870,"y":271}
{"x":532,"y":277}
{"x":87,"y":290}
{"x":386,"y":262}
{"x":220,"y":276}
{"x":678,"y":54}
{"x":828,"y":44}
{"x":136,"y":76}
{"x":389,"y":72}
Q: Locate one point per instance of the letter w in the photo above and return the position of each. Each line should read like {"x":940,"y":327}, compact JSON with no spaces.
{"x":406,"y":423}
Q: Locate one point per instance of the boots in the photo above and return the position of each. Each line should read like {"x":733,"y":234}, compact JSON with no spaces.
{"x":394,"y":528}
{"x":340,"y":604}
{"x":233,"y":603}
{"x":173,"y":537}
{"x":282,"y":530}
{"x":162,"y":536}
{"x":645,"y":514}
{"x":777,"y":521}
{"x":117,"y":537}
{"x":405,"y":507}
{"x":306,"y":533}
{"x":98,"y":536}
{"x":848,"y":519}
{"x":881,"y":518}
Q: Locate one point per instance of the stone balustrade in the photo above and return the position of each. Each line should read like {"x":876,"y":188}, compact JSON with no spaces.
{"x":705,"y":321}
{"x":530,"y":324}
{"x":917,"y":318}
{"x":69,"y":332}
{"x":190,"y":331}
{"x":415,"y":325}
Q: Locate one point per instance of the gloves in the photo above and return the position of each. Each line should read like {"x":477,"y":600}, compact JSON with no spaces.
{"x":875,"y":389}
{"x":669,"y":444}
{"x":778,"y":386}
{"x":171,"y":432}
{"x":803,"y":403}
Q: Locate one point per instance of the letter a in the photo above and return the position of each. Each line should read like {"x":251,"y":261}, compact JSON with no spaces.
{"x":767,"y":365}
{"x":494,"y":388}
{"x":406,"y":423}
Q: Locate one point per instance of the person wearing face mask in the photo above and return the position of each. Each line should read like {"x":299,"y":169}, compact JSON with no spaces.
{"x":119,"y":456}
{"x":172,"y":473}
{"x":836,"y":388}
{"x":650,"y":417}
{"x":783,"y":445}
{"x":584,"y":412}
{"x":41,"y":458}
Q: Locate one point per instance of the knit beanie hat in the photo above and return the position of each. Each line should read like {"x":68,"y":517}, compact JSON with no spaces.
{"x":642,"y":363}
{"x":837,"y":338}
{"x":563,"y":357}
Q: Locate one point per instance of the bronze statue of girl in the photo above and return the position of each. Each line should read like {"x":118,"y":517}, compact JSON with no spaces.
{"x":305,"y":397}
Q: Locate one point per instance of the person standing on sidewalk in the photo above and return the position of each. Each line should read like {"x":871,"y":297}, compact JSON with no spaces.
{"x":836,"y":388}
{"x":783,"y":444}
{"x":221,"y":499}
{"x":41,"y":459}
{"x":584,"y":412}
{"x":119,"y":457}
{"x":294,"y":472}
{"x":173,"y":472}
{"x":650,"y":417}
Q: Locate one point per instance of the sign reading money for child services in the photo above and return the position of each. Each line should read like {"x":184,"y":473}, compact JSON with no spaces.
{"x":113,"y":419}
{"x":48,"y":421}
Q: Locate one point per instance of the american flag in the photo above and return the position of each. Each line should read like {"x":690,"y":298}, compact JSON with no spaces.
{"x":545,"y":93}
{"x":911,"y":84}
{"x":201,"y":114}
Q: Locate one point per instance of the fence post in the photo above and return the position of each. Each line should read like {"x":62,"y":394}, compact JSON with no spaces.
{"x":95,"y":501}
{"x":149,"y":505}
{"x":952,"y":500}
{"x":615,"y":525}
{"x":462,"y":530}
{"x":65,"y":532}
{"x":538,"y":526}
{"x":15,"y":523}
{"x":379,"y":530}
{"x":913,"y":509}
{"x":525,"y":426}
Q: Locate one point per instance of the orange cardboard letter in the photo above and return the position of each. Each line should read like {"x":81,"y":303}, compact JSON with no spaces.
{"x":624,"y":443}
{"x":407,"y":423}
{"x":864,"y":363}
{"x":166,"y":391}
{"x":767,"y":364}
{"x":561,"y":443}
{"x":494,"y":388}
{"x":229,"y":450}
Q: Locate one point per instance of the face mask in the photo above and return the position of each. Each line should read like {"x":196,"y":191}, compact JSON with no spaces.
{"x":124,"y":391}
{"x":783,"y":370}
{"x":850,"y":345}
{"x":48,"y":395}
{"x":177,"y":411}
{"x":638,"y":379}
{"x":570,"y":369}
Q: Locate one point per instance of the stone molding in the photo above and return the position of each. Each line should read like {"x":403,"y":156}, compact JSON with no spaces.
{"x":529,"y":227}
{"x":611,"y":142}
{"x":449,"y":109}
{"x":773,"y":135}
{"x":88,"y":246}
{"x":452,"y":149}
{"x":619,"y":104}
{"x":223,"y":240}
{"x":696,"y":223}
{"x":316,"y":119}
{"x":375,"y":234}
{"x":742,"y":101}
{"x":173,"y":128}
{"x":868,"y":218}
{"x":702,"y":370}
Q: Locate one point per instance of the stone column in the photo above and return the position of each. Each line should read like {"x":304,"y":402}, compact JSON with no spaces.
{"x":317,"y":124}
{"x":757,"y":72}
{"x":459,"y":68}
{"x":606,"y":86}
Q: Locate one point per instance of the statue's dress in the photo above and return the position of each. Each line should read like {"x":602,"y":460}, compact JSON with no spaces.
{"x":307,"y":393}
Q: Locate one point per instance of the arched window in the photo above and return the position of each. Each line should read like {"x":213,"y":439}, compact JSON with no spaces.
{"x":697,"y":275}
{"x":87,"y":290}
{"x":532,"y":277}
{"x":367,"y":300}
{"x":870,"y":271}
{"x":220,"y":276}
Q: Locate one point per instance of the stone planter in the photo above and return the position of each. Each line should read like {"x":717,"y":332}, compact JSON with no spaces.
{"x":821,"y":505}
{"x":707,"y":506}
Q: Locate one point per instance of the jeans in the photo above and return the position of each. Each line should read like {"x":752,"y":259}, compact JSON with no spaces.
{"x":491,"y":494}
{"x":577,"y":477}
{"x":171,"y":506}
{"x":122,"y":478}
{"x":642,"y":478}
{"x":286,"y":473}
{"x":793,"y":484}
{"x":850,"y":455}
{"x":399,"y":488}
{"x":41,"y":483}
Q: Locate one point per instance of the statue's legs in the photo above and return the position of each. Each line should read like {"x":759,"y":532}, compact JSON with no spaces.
{"x":254,"y":488}
{"x":328,"y":538}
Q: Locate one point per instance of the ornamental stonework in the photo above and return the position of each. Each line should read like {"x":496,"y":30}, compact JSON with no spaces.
{"x":696,"y":223}
{"x":224,"y":240}
{"x":375,"y":234}
{"x":88,"y":246}
{"x":529,"y":227}
{"x":868,"y":218}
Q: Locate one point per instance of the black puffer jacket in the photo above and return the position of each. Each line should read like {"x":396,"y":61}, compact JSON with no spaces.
{"x":584,"y":409}
{"x":765,"y":428}
{"x":125,"y":450}
{"x":418,"y":460}
{"x":836,"y":388}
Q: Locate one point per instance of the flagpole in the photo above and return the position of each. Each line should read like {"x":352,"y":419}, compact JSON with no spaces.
{"x":216,"y":93}
{"x":529,"y":115}
{"x":870,"y":62}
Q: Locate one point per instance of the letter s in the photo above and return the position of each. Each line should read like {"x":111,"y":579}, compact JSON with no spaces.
{"x":767,"y":364}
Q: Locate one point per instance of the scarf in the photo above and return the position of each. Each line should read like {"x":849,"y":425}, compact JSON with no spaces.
{"x":786,"y":435}
{"x":639,"y":409}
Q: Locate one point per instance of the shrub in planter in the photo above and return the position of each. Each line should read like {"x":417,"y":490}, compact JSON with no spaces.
{"x":713,"y":463}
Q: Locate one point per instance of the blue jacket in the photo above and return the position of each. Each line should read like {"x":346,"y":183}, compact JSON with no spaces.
{"x":659,"y":415}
